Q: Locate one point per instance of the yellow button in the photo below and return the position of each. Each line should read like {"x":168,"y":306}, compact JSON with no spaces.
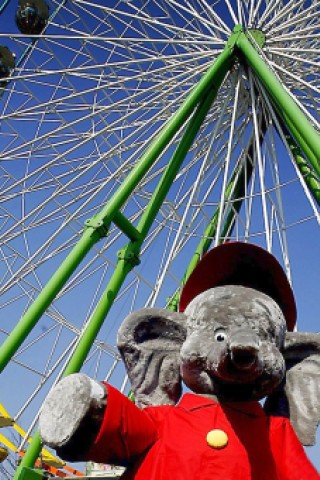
{"x":217,"y":439}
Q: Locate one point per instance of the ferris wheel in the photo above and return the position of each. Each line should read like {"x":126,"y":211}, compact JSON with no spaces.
{"x":135,"y":135}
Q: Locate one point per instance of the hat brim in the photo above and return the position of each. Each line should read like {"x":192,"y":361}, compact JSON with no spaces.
{"x":238,"y":263}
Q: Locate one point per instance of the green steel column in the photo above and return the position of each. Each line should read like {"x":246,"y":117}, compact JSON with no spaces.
{"x":177,"y":159}
{"x":295,"y":143}
{"x":46,"y":296}
{"x":30,"y":456}
{"x":122,"y":269}
{"x":285,"y":105}
{"x":307,"y":172}
{"x":99,"y":225}
{"x":211,"y":79}
{"x":298,"y":138}
{"x":235,"y":193}
{"x":128,"y":257}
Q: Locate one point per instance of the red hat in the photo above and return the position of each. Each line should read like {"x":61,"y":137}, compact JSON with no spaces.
{"x":238,"y":263}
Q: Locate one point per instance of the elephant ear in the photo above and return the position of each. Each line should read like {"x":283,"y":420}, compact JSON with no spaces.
{"x":149,"y":341}
{"x":299,"y":399}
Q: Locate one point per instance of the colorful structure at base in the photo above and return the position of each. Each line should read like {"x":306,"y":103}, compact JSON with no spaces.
{"x":46,"y":460}
{"x":95,"y":470}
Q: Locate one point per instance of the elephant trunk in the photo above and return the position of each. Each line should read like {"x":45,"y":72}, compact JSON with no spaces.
{"x":244,"y":349}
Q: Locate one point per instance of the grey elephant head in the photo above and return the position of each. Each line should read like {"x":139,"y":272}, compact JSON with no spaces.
{"x":233,"y":344}
{"x":231,"y":341}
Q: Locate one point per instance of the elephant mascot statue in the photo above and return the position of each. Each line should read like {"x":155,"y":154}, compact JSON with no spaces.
{"x":232,"y":344}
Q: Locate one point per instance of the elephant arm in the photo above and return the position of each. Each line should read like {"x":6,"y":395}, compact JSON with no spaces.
{"x":125,"y":434}
{"x":83,"y":419}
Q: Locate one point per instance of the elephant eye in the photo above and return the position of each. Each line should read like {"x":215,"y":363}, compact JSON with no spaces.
{"x":220,"y":336}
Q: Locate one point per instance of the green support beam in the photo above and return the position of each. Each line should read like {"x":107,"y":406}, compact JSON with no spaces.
{"x":308,"y":174}
{"x":285,"y":105}
{"x":209,"y":234}
{"x":98,"y":227}
{"x":210,"y":80}
{"x":128,"y":257}
{"x":45,"y":298}
{"x":235,"y":193}
{"x":32,"y":474}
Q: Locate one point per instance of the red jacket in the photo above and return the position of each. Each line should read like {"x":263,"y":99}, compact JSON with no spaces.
{"x":169,"y":442}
